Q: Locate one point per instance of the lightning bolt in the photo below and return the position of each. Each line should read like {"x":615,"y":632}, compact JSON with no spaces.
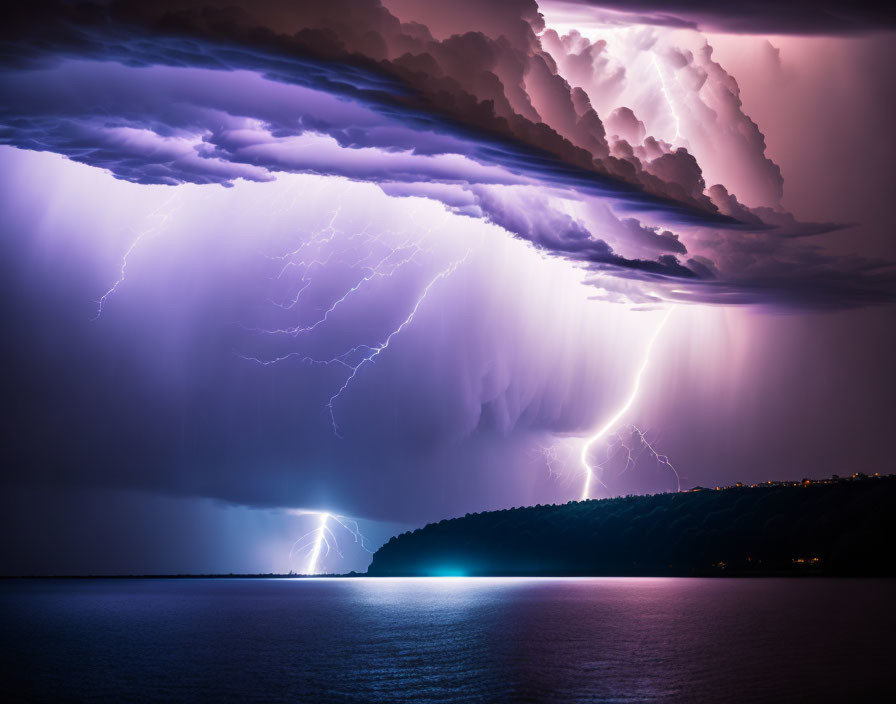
{"x":162,"y":215}
{"x":659,"y":73}
{"x":326,"y":237}
{"x":314,"y":556}
{"x":614,"y":420}
{"x":550,"y":455}
{"x":316,"y":544}
{"x":383,"y":268}
{"x":356,"y":358}
{"x":634,"y":449}
{"x":376,"y":351}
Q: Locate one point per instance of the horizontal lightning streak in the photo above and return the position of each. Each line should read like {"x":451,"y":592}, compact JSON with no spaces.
{"x":374,"y":271}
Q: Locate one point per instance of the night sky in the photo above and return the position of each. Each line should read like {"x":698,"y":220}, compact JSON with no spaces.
{"x":399,"y":261}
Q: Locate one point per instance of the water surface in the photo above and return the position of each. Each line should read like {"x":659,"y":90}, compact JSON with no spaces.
{"x":447,"y":640}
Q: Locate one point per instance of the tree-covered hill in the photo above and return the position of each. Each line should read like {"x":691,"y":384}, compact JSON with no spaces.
{"x":833,"y":527}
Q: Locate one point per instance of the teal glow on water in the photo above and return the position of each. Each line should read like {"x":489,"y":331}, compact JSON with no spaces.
{"x":447,"y":640}
{"x":448,"y":571}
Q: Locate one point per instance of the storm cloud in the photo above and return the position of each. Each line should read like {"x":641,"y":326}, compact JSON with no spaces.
{"x":390,"y":259}
{"x":208,"y":93}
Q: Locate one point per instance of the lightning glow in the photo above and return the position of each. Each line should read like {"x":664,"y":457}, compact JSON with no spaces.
{"x":315,"y":545}
{"x":319,"y":541}
{"x":665,"y":91}
{"x":614,"y":420}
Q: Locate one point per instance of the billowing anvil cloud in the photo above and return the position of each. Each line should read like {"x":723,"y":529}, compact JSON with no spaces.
{"x":343,"y":256}
{"x":508,"y":120}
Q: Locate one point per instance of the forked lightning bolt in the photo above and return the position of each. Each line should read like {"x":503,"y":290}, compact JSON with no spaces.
{"x":374,"y":352}
{"x":316,"y":544}
{"x":614,"y":420}
{"x":356,"y":358}
{"x":633,"y":449}
{"x":385,"y":267}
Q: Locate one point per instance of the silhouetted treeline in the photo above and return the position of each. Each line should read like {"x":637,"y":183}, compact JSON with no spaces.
{"x":845,"y":527}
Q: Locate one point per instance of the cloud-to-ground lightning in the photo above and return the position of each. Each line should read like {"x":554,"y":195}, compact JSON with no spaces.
{"x":316,"y":544}
{"x":621,"y":411}
{"x":314,"y":556}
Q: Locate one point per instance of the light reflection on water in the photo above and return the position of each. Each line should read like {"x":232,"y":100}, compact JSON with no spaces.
{"x":447,"y":639}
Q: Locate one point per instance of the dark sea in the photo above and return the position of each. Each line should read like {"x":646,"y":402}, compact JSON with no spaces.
{"x":448,"y":640}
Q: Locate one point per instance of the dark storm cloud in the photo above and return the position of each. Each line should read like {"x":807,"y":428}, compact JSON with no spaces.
{"x":469,"y":86}
{"x":826,"y":18}
{"x":783,"y":268}
{"x":529,"y":216}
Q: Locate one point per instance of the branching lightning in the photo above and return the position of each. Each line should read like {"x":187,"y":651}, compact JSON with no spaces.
{"x":386,"y":266}
{"x":614,"y":420}
{"x":315,"y":545}
{"x":375,"y":351}
{"x":550,"y":455}
{"x":371,"y":265}
{"x":309,"y":256}
{"x":633,"y":449}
